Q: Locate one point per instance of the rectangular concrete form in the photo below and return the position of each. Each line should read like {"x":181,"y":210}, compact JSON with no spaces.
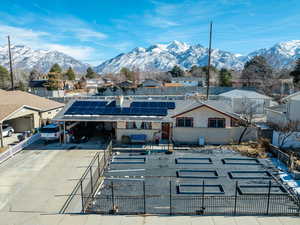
{"x":183,"y":160}
{"x":240,"y":161}
{"x":129,"y":160}
{"x":204,"y":174}
{"x":209,"y":189}
{"x":249,"y":175}
{"x":261,"y":189}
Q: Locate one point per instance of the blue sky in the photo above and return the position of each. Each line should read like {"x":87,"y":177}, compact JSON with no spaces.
{"x":95,"y":30}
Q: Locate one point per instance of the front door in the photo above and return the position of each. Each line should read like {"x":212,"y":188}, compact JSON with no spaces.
{"x":165,"y":127}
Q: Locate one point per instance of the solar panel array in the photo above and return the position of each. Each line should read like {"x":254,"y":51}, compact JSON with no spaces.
{"x":102,"y":108}
{"x":168,"y":105}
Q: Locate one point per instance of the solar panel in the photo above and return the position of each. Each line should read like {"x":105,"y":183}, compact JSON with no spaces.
{"x":169,"y":105}
{"x":101,"y":108}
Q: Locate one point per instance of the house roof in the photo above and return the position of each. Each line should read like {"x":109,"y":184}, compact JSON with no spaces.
{"x":244,"y":94}
{"x":209,"y":104}
{"x":187,"y":78}
{"x":11,"y":101}
{"x":37,"y":83}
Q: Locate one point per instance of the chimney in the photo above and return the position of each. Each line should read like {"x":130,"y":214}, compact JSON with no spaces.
{"x":119,"y":101}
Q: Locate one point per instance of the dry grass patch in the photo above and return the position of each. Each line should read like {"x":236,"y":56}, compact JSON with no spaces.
{"x":250,"y":149}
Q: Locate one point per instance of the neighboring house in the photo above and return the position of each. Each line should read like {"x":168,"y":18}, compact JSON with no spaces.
{"x":92,"y":85}
{"x":38,"y":87}
{"x":180,"y":121}
{"x":24,"y":111}
{"x":188,"y":81}
{"x":151,"y":83}
{"x":241,"y":100}
{"x":282,"y":115}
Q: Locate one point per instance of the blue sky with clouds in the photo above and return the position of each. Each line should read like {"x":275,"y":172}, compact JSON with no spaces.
{"x":95,"y":30}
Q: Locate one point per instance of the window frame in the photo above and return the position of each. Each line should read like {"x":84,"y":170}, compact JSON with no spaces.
{"x":216,"y":119}
{"x":184,"y":121}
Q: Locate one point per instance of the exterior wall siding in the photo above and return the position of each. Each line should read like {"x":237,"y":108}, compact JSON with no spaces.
{"x":212,"y":135}
{"x":201,"y":115}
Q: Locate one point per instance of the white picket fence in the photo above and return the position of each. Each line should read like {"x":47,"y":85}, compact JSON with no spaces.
{"x":18,"y":147}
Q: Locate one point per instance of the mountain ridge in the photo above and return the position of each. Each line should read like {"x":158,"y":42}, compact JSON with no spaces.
{"x":156,"y":57}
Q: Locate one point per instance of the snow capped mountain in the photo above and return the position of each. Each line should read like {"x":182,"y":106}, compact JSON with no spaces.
{"x":162,"y":57}
{"x":158,"y":57}
{"x":281,"y":55}
{"x":26,"y":59}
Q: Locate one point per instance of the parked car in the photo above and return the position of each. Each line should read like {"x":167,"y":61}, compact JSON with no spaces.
{"x":50,"y":132}
{"x":7,"y":130}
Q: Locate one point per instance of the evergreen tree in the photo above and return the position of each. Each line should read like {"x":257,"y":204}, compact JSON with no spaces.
{"x":127,"y":73}
{"x":90,"y":74}
{"x":176,"y":71}
{"x":225,"y":78}
{"x":54,"y":81}
{"x":34,"y":74}
{"x":4,"y":77}
{"x":258,"y":73}
{"x":296,"y":73}
{"x":55,"y":69}
{"x":70,"y":75}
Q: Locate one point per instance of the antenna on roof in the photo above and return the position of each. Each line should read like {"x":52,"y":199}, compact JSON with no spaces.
{"x":10,"y":64}
{"x":208,"y":64}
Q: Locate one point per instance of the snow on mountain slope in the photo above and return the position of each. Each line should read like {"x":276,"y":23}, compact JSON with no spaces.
{"x":158,"y":57}
{"x":162,"y":57}
{"x":26,"y":59}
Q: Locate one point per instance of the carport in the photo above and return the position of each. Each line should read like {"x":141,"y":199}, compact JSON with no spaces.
{"x":20,"y":118}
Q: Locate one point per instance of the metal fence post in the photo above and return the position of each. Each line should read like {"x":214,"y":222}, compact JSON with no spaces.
{"x":112,"y":196}
{"x":269,"y":194}
{"x":99,"y":172}
{"x":235,"y":197}
{"x":170,"y":190}
{"x":144,"y":191}
{"x":82,"y":200}
{"x":203,"y":190}
{"x":91,"y":175}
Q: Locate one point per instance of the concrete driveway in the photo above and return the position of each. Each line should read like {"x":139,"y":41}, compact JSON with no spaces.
{"x":34,"y":185}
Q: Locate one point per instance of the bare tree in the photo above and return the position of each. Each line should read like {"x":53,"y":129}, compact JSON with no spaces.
{"x":285,"y":131}
{"x":247,"y":110}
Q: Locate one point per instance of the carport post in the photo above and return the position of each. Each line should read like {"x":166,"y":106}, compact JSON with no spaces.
{"x":1,"y":135}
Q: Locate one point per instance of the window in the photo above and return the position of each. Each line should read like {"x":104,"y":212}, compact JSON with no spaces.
{"x":130,"y":125}
{"x":146,"y":125}
{"x":216,"y":122}
{"x":184,"y":122}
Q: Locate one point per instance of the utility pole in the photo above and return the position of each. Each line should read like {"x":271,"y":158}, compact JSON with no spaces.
{"x":208,"y":64}
{"x":10,"y":65}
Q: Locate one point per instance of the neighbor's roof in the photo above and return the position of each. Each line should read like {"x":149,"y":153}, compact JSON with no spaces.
{"x":11,"y":101}
{"x":244,"y":94}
